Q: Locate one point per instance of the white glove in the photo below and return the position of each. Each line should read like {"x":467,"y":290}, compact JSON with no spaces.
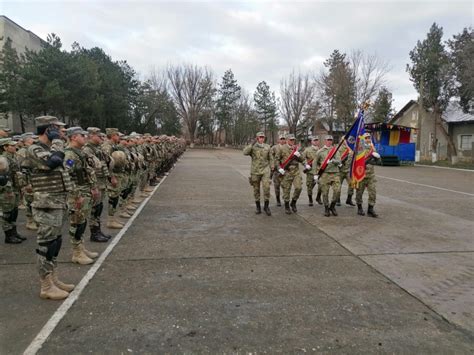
{"x":329,"y":161}
{"x":376,"y":155}
{"x":307,"y":167}
{"x":316,"y":178}
{"x":297,"y":154}
{"x":281,"y":171}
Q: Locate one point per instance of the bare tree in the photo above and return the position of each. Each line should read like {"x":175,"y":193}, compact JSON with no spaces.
{"x":296,"y":92}
{"x":369,"y":72}
{"x":192,"y":88}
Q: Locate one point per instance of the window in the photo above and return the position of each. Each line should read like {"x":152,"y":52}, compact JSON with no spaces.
{"x":465,"y":142}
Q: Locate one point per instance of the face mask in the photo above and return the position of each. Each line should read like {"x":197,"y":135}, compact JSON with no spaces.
{"x":53,"y":133}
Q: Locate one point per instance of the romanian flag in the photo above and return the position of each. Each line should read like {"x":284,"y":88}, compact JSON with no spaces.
{"x":355,"y":142}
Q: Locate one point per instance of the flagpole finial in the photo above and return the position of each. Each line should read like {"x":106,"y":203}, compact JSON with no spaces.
{"x":365,"y":105}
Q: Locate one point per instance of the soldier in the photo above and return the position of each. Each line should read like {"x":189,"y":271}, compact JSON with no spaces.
{"x":309,"y":156}
{"x":83,"y":193}
{"x":262,"y":161}
{"x":100,"y":161}
{"x":276,"y":177}
{"x":369,"y":180}
{"x":50,"y":184}
{"x":291,"y":173}
{"x":345,"y":175}
{"x":9,"y":191}
{"x":329,"y":177}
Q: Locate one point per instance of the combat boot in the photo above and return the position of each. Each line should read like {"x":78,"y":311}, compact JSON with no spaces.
{"x":318,"y":198}
{"x":371,"y":212}
{"x":10,"y":237}
{"x":49,"y":290}
{"x":338,"y":202}
{"x":332,"y":208}
{"x":125,"y":214}
{"x":149,"y":189}
{"x":108,"y":236}
{"x":310,"y":199}
{"x":96,"y":236}
{"x":266,"y":208}
{"x":326,"y":211}
{"x":349,"y":200}
{"x":31,"y":224}
{"x":259,"y":208}
{"x":59,"y":284}
{"x":278,"y":200}
{"x":79,"y":257}
{"x":287,"y":207}
{"x":293,"y":206}
{"x":90,"y":254}
{"x":112,"y":223}
{"x":15,"y":233}
{"x":360,"y":210}
{"x":137,"y":200}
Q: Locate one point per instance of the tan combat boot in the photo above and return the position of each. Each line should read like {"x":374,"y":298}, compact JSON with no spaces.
{"x":125,"y":214}
{"x":112,"y":223}
{"x":130,"y":206}
{"x":148,"y":189}
{"x":59,"y":284}
{"x":31,"y":224}
{"x":79,"y":257}
{"x":90,"y":254}
{"x":137,"y":200}
{"x":49,"y":290}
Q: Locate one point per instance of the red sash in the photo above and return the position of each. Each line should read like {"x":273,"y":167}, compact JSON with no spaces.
{"x":328,"y":157}
{"x":290,"y":158}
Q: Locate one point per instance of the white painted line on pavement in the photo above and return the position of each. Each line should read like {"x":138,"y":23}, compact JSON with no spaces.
{"x":51,"y":324}
{"x":433,"y":187}
{"x":444,"y":167}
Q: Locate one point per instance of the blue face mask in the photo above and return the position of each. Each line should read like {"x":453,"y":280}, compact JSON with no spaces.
{"x":53,"y":133}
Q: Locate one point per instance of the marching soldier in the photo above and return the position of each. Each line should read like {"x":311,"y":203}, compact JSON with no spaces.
{"x":100,"y":161}
{"x":309,"y":156}
{"x":369,"y":180}
{"x":289,"y":155}
{"x":262,"y":161}
{"x":50,"y":184}
{"x":345,"y":175}
{"x":83,"y":193}
{"x":9,"y":191}
{"x":276,"y":177}
{"x":330,"y":176}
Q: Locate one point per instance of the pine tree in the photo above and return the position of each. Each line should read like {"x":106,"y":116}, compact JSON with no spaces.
{"x":228,"y":95}
{"x":382,"y":109}
{"x":266,"y":107}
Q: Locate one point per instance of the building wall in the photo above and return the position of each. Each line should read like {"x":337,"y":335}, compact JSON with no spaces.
{"x":21,"y":39}
{"x":463,"y":129}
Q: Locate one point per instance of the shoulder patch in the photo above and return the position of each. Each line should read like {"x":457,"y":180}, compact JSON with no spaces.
{"x":70,"y":163}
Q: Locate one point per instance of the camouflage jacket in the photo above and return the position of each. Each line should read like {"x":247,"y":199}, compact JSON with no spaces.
{"x":262,"y":159}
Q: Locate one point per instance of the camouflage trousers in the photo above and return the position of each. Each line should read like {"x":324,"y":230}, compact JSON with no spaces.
{"x":96,"y":210}
{"x":276,"y":178}
{"x":78,"y":216}
{"x":327,"y":181}
{"x":143,"y":177}
{"x":292,"y":177}
{"x":350,"y":188}
{"x":310,"y":183}
{"x":28,"y":200}
{"x":115,"y":192}
{"x":49,"y":234}
{"x":9,"y":200}
{"x":264,"y":180}
{"x":369,"y":183}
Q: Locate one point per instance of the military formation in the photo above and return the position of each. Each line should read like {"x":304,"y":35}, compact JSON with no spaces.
{"x":285,"y":162}
{"x":60,"y":174}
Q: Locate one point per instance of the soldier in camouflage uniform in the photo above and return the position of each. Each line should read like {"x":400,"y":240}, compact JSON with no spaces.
{"x":100,"y":161}
{"x":10,"y":185}
{"x":309,"y":156}
{"x":262,"y":163}
{"x":83,"y":193}
{"x":276,"y":177}
{"x":50,"y":184}
{"x":291,"y":174}
{"x":369,"y":179}
{"x":329,"y":177}
{"x":345,"y":175}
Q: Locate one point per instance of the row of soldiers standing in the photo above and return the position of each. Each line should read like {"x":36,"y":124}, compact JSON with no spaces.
{"x":281,"y":164}
{"x":72,"y":170}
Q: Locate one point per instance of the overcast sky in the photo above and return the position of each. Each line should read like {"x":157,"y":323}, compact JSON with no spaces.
{"x":258,"y":40}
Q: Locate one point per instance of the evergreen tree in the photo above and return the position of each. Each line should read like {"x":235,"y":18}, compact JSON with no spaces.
{"x":266,"y":107}
{"x":228,"y":95}
{"x":382,"y":110}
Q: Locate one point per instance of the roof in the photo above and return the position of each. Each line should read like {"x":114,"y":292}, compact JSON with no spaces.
{"x":403,"y":110}
{"x":455,"y":114}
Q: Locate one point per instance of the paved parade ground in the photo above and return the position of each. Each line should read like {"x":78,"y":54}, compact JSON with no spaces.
{"x":198,"y":272}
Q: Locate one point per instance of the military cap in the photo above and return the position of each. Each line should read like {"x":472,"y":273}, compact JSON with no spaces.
{"x":124,"y":137}
{"x":290,"y":136}
{"x":260,"y":134}
{"x":366,"y":134}
{"x":47,"y":120}
{"x":16,"y":138}
{"x":110,"y":131}
{"x":281,"y":136}
{"x":147,"y":135}
{"x":93,"y":130}
{"x":28,"y":135}
{"x":7,"y":141}
{"x":329,"y":137}
{"x":75,"y":130}
{"x":314,"y":138}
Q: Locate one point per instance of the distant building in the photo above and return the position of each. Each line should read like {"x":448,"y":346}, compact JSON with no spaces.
{"x":21,"y":39}
{"x":454,"y":123}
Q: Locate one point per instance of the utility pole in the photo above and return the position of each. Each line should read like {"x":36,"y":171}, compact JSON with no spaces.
{"x":419,"y":123}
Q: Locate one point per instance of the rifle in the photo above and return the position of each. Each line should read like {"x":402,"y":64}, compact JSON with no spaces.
{"x":288,"y":160}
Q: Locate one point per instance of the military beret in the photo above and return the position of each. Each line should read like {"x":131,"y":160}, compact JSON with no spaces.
{"x":290,"y":136}
{"x":93,"y":130}
{"x":7,"y":141}
{"x":75,"y":130}
{"x":260,"y":134}
{"x":47,"y":120}
{"x":110,"y":131}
